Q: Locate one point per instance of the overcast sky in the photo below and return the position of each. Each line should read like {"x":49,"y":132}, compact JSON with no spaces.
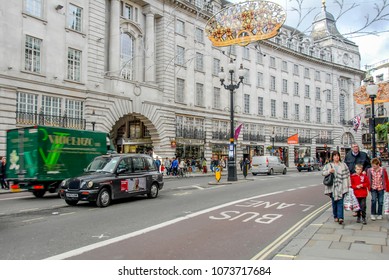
{"x":373,"y":48}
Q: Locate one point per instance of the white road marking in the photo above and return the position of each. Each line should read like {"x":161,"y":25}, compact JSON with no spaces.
{"x":101,"y":236}
{"x":31,"y":209}
{"x":14,"y":197}
{"x":65,"y":214}
{"x":31,"y":220}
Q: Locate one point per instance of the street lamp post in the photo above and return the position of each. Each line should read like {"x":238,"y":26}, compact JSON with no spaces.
{"x":372,"y":90}
{"x":232,"y":174}
{"x":273,"y":136}
{"x":93,"y":120}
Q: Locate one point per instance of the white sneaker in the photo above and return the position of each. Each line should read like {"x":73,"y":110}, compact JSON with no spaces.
{"x":379,"y":217}
{"x":372,"y":217}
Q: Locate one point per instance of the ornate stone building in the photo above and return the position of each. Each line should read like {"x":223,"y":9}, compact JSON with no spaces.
{"x":145,"y":72}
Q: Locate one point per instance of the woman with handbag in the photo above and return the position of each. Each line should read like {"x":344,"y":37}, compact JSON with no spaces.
{"x":340,"y":185}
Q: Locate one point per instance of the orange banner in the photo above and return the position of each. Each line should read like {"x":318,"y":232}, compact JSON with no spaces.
{"x":294,"y":139}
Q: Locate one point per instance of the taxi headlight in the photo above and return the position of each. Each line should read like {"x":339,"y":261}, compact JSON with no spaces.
{"x":63,"y":183}
{"x":90,"y":184}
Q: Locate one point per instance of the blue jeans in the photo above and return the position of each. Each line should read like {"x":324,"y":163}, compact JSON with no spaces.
{"x":337,"y":208}
{"x":377,"y":196}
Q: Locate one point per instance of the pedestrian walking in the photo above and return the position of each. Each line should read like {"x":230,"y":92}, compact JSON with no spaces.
{"x":174,"y":167}
{"x":245,"y":166}
{"x":379,"y":183}
{"x":340,"y":185}
{"x":356,"y":156}
{"x":168,"y":165}
{"x":158,"y":164}
{"x":3,"y":182}
{"x":361,"y":186}
{"x":204,"y":165}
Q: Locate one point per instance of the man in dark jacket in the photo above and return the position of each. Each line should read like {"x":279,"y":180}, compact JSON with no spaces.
{"x":356,"y":156}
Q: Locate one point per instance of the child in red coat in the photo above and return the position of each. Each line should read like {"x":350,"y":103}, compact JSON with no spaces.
{"x":361,"y":186}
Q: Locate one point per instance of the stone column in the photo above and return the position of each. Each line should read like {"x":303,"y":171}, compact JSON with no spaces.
{"x":114,"y":39}
{"x":150,"y":48}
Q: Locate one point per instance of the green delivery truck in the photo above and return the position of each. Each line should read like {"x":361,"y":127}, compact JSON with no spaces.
{"x":40,"y":157}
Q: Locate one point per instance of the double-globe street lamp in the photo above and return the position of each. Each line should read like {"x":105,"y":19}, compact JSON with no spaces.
{"x":372,"y":90}
{"x":232,"y":173}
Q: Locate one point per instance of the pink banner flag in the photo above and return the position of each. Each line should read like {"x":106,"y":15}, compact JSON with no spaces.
{"x":237,"y":131}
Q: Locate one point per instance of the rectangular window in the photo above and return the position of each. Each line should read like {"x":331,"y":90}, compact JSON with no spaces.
{"x":75,"y":18}
{"x":216,"y":66}
{"x":284,"y":85}
{"x":260,"y":106}
{"x":285,"y":110}
{"x":74,"y":65}
{"x":27,"y":103}
{"x":318,"y":114}
{"x":273,"y":62}
{"x":246,"y":53}
{"x":307,"y":91}
{"x":329,"y":116}
{"x":34,"y":8}
{"x":306,"y":72}
{"x":272,"y":83}
{"x":246,"y":103}
{"x":180,"y":90}
{"x":199,"y":35}
{"x":296,"y":70}
{"x":285,"y":66}
{"x":180,"y":27}
{"x":296,"y":88}
{"x":296,"y":112}
{"x":318,"y":97}
{"x":51,"y":105}
{"x":199,"y":62}
{"x":273,"y":108}
{"x":32,"y":54}
{"x":259,"y":79}
{"x":317,"y":75}
{"x":260,"y":57}
{"x":130,"y":12}
{"x":328,"y":78}
{"x":216,"y":98}
{"x":307,"y":113}
{"x":246,"y":77}
{"x":180,"y":57}
{"x":74,"y":108}
{"x":328,"y":95}
{"x":199,"y":94}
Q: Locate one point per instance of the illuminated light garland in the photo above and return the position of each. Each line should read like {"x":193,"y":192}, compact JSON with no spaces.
{"x":244,"y":23}
{"x":362,"y":97}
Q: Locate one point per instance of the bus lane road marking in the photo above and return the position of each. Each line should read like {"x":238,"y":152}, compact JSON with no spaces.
{"x":234,"y":230}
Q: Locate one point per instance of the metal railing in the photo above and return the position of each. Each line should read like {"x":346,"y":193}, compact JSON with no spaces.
{"x":25,"y":118}
{"x":220,"y":135}
{"x":253,"y":137}
{"x":190,"y":133}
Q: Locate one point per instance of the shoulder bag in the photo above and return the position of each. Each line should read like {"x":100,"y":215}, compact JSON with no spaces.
{"x":329,"y":179}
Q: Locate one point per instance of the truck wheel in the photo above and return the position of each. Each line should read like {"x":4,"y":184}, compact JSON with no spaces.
{"x":39,"y":194}
{"x":153,"y":193}
{"x":104,"y":198}
{"x":71,"y":202}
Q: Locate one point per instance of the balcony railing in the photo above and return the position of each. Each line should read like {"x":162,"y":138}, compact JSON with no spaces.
{"x":220,"y":135}
{"x":25,"y":118}
{"x":305,"y":140}
{"x":324,"y":141}
{"x":253,"y":137}
{"x":190,"y":133}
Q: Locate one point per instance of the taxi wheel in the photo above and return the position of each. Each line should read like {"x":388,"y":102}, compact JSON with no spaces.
{"x":71,"y":202}
{"x":153,"y":193}
{"x":284,"y":171}
{"x":104,"y":198}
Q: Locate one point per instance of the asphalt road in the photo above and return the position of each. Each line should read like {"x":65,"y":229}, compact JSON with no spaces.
{"x":189,"y":220}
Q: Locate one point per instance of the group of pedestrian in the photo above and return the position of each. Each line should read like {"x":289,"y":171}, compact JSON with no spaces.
{"x":358,"y":176}
{"x":176,"y":165}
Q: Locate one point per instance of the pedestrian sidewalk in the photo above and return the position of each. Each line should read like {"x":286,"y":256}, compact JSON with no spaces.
{"x":325,"y":239}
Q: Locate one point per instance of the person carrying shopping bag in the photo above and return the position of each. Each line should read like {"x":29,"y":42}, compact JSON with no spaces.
{"x":339,"y":187}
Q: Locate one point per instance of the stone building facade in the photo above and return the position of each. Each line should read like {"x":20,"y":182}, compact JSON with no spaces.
{"x":144,"y":72}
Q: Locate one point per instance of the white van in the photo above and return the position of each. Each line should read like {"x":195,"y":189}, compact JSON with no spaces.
{"x":267,"y":165}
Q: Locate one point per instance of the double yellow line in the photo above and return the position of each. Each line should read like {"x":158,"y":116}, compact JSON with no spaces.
{"x":286,"y":235}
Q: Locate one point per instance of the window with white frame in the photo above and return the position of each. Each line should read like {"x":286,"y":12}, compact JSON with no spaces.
{"x":296,"y":70}
{"x":180,"y":91}
{"x":199,"y":33}
{"x":260,"y":106}
{"x":328,"y":95}
{"x":306,"y":72}
{"x":273,"y":112}
{"x":259,"y":79}
{"x":246,"y":76}
{"x":342,"y":108}
{"x":130,"y":12}
{"x":296,"y":112}
{"x":216,"y":98}
{"x":180,"y":27}
{"x":127,"y":56}
{"x":75,"y":18}
{"x":284,"y":66}
{"x":32,"y":54}
{"x":51,"y":105}
{"x":199,"y":94}
{"x":318,"y":93}
{"x":246,"y":53}
{"x":260,"y":57}
{"x":180,"y":56}
{"x":285,"y":113}
{"x":74,"y":65}
{"x":329,"y":116}
{"x":216,"y":67}
{"x":328,"y":78}
{"x":272,"y":62}
{"x":74,"y":108}
{"x":34,"y":8}
{"x":296,"y":88}
{"x":284,"y":85}
{"x":307,"y":91}
{"x":27,"y":102}
{"x":199,"y":66}
{"x":272,"y":83}
{"x":307,"y":113}
{"x":246,"y":102}
{"x":317,"y":75}
{"x":318,"y":114}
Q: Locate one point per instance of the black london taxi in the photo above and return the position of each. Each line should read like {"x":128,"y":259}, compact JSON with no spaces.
{"x":111,"y":177}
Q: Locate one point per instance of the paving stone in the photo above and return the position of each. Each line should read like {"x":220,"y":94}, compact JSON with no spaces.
{"x":293,"y":247}
{"x":340,"y":245}
{"x":365,"y":248}
{"x":369,"y":233}
{"x":365,"y":239}
{"x":330,"y":237}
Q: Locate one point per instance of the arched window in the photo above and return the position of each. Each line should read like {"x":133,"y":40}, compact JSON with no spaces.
{"x":127,"y":56}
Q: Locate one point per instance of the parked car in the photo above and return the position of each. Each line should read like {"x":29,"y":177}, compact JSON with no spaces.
{"x":308,"y":163}
{"x":115,"y":176}
{"x":267,"y":165}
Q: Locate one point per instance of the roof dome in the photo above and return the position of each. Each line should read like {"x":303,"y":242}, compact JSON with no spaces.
{"x":324,"y":25}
